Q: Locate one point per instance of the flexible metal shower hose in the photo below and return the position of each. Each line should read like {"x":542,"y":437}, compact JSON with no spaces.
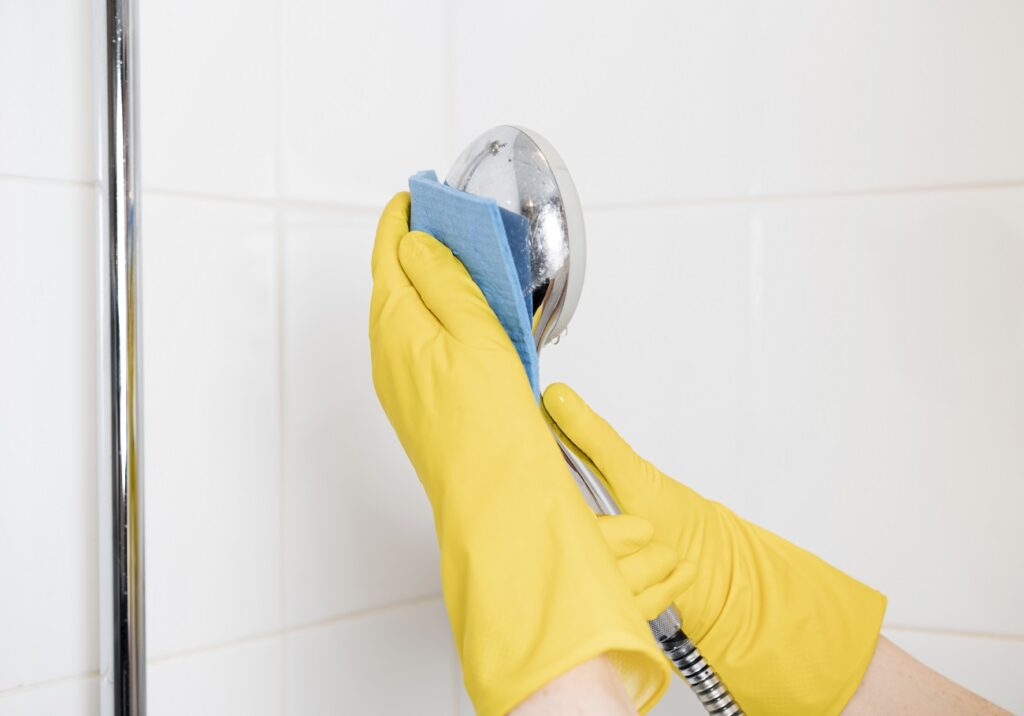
{"x":695,"y":670}
{"x":667,"y":627}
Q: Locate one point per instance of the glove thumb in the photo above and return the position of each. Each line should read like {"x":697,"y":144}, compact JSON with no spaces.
{"x":448,"y":291}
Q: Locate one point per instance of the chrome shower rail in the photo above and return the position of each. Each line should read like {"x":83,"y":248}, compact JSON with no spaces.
{"x":119,"y":378}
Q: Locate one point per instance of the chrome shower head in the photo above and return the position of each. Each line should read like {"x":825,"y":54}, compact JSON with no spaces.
{"x":521,"y":171}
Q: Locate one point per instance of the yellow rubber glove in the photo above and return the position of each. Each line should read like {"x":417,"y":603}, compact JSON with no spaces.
{"x":532,"y":589}
{"x":653,"y":571}
{"x":787,"y":633}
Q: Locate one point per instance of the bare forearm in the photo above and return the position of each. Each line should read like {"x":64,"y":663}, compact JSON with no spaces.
{"x":593,"y":688}
{"x":897,"y":683}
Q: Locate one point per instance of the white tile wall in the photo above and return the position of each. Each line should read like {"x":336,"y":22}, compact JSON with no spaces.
{"x":47,"y":445}
{"x":805,"y":327}
{"x":243,"y":680}
{"x":659,"y":341}
{"x":365,"y":97}
{"x":395,"y":661}
{"x":647,"y":101}
{"x":855,"y":95}
{"x":208,"y":78}
{"x":75,"y":697}
{"x":213,"y":523}
{"x":887,"y":391}
{"x":359,"y":528}
{"x":46,"y":110}
{"x":657,"y":101}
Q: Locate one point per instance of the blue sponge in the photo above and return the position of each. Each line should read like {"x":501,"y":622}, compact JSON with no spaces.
{"x":492,"y":244}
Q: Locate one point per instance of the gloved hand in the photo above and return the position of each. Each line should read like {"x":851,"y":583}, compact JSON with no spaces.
{"x":653,"y":571}
{"x":786,"y":632}
{"x":531,"y":588}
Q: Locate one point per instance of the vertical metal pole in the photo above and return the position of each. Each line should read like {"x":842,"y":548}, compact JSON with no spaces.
{"x":122,"y":613}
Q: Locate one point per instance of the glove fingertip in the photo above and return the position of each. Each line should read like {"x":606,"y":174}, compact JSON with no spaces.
{"x":392,"y":225}
{"x":395,"y":216}
{"x":556,"y":397}
{"x":400,"y":203}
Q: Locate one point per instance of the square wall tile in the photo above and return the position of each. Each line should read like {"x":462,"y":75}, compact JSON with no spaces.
{"x":208,"y":105}
{"x":48,"y":507}
{"x":212,"y":497}
{"x":77,"y":697}
{"x":46,"y":116}
{"x":646,"y":101}
{"x":393,"y":662}
{"x":988,"y":666}
{"x":658,"y":344}
{"x":854,"y":94}
{"x":244,"y":680}
{"x":366,"y":97}
{"x":359,"y":530}
{"x":887,"y":401}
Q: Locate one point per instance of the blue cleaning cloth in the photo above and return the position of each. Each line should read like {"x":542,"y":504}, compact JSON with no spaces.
{"x":492,"y":244}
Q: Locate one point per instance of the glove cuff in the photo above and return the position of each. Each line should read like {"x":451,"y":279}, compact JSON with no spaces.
{"x":644,"y":672}
{"x":860,"y":658}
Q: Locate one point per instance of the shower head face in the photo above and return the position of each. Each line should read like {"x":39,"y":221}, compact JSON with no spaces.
{"x":523,"y":173}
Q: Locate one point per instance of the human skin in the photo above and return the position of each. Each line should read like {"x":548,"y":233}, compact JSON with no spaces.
{"x":897,"y":683}
{"x":894,"y":683}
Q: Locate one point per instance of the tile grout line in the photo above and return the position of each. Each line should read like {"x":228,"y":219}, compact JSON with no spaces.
{"x":282,"y":512}
{"x":36,"y":685}
{"x":807,"y":196}
{"x":285,"y":631}
{"x":279,"y":250}
{"x":281,"y":201}
{"x":450,"y":65}
{"x":722,"y":201}
{"x":709,"y":202}
{"x":960,"y":633}
{"x":217,"y":646}
{"x":47,"y":181}
{"x":453,"y":655}
{"x":417,"y":601}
